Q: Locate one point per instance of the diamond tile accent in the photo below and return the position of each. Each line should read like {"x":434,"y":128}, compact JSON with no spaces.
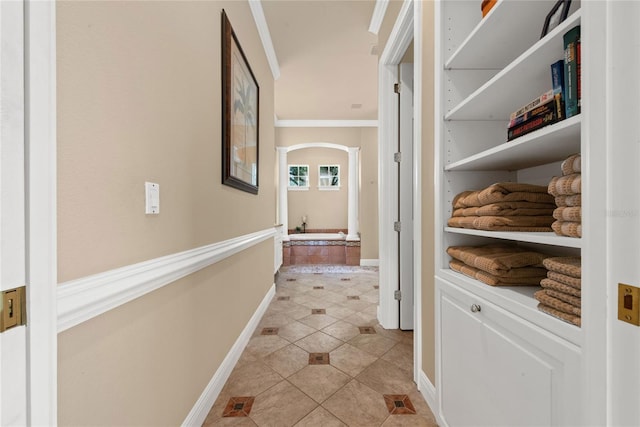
{"x":318,"y":287}
{"x":239,"y":406}
{"x":291,"y":280}
{"x":367,"y":329}
{"x":345,"y":279}
{"x":399,"y":404}
{"x":319,"y":359}
{"x":318,"y":311}
{"x":353,"y":297}
{"x":376,"y":287}
{"x":284,"y":298}
{"x":271,"y":331}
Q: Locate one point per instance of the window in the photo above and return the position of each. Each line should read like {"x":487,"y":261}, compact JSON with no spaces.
{"x":299,"y":176}
{"x":329,"y":177}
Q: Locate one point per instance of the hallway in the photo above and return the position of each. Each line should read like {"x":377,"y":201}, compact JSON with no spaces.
{"x":320,"y":358}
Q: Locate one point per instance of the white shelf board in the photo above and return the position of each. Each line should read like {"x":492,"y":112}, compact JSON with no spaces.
{"x":528,"y":76}
{"x":518,"y":300}
{"x":489,"y":49}
{"x":546,"y":145}
{"x":549,"y":238}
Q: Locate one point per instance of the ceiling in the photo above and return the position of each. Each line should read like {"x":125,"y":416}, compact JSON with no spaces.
{"x":324,"y":49}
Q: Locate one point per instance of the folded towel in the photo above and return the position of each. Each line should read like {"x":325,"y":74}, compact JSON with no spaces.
{"x":496,"y":210}
{"x":566,"y":213}
{"x":569,"y":299}
{"x":567,"y":228}
{"x":560,"y":287}
{"x":564,"y":185}
{"x":571,"y":165}
{"x":570,"y":318}
{"x":501,"y":260}
{"x":563,"y":278}
{"x":550,"y":301}
{"x":569,"y":265}
{"x":503,"y":192}
{"x":569,"y":200}
{"x":482,"y":223}
{"x":490,"y":279}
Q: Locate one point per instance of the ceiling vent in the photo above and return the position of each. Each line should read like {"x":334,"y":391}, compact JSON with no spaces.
{"x":356,"y":106}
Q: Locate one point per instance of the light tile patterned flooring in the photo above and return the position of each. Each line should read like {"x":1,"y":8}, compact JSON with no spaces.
{"x":320,"y":358}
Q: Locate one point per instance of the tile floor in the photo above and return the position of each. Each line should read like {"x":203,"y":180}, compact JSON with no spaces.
{"x":320,"y":358}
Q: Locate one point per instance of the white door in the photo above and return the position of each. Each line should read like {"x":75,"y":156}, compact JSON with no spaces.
{"x":405,"y":202}
{"x":13,"y":342}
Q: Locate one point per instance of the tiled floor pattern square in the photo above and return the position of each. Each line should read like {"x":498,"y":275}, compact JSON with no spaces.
{"x":338,"y":367}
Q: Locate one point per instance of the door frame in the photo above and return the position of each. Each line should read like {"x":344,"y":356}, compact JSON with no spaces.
{"x":407,"y":28}
{"x":41,"y":220}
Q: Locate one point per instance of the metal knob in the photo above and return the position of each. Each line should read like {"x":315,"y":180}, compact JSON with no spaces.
{"x":475,"y":308}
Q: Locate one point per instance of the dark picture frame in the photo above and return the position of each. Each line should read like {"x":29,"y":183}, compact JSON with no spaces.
{"x":558,"y":14}
{"x":240,"y":115}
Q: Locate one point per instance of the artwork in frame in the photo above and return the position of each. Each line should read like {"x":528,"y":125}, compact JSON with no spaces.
{"x":240,"y":103}
{"x":557,"y":15}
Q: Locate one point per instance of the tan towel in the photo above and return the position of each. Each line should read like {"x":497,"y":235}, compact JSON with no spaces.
{"x":563,"y":278}
{"x":569,"y":299}
{"x":503,"y":192}
{"x":564,"y":185}
{"x":566,"y":213}
{"x":560,"y":287}
{"x":569,"y":200}
{"x":501,"y":260}
{"x":502,"y":223}
{"x":490,"y":279}
{"x":571,"y":165}
{"x":570,"y":318}
{"x":507,"y":209}
{"x":569,"y":265}
{"x":547,"y":299}
{"x":567,"y":228}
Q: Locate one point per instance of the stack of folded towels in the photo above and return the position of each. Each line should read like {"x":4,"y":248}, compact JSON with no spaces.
{"x":499,"y":264}
{"x":567,"y":190}
{"x":561,"y":293}
{"x":505,"y":206}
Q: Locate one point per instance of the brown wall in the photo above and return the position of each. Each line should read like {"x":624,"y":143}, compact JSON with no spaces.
{"x":314,"y":201}
{"x":139,"y":100}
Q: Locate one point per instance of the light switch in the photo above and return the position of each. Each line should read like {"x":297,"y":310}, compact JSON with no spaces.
{"x":152,"y":196}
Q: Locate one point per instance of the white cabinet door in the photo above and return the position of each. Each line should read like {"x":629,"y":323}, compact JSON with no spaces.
{"x":497,"y":370}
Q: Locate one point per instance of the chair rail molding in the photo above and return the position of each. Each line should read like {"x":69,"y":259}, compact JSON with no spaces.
{"x":82,"y":299}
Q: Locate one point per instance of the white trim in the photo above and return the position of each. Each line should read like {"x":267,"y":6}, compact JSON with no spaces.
{"x":326,"y":123}
{"x":378,"y":16}
{"x":369,"y":262}
{"x":428,"y":391}
{"x":300,"y":188}
{"x":82,"y":299}
{"x":316,"y":145}
{"x":40,"y":143}
{"x":199,"y":412}
{"x":329,"y":188}
{"x":265,"y":37}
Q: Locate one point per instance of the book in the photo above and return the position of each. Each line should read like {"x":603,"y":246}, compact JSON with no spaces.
{"x":543,"y":108}
{"x":571,"y":39}
{"x":533,"y":104}
{"x":552,"y":114}
{"x":557,"y":80}
{"x":579,"y":72}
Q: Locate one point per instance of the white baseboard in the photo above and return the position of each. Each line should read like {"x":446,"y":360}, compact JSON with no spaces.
{"x":428,"y":391}
{"x":369,"y":263}
{"x":199,"y":412}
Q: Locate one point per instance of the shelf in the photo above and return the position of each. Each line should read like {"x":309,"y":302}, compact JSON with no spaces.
{"x":528,"y":76}
{"x":549,"y":238}
{"x":518,"y":300}
{"x":546,"y":145}
{"x":486,"y":48}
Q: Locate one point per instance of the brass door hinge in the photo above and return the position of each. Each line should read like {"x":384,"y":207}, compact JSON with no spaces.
{"x":13,"y":308}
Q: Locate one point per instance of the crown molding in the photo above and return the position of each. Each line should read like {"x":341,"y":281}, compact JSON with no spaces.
{"x":326,"y":123}
{"x":265,"y":37}
{"x":378,"y":16}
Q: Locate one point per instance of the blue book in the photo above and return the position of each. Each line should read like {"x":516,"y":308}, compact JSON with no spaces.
{"x":571,"y":39}
{"x":557,"y":81}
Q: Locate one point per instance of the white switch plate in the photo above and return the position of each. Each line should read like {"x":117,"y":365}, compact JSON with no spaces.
{"x":152,"y":197}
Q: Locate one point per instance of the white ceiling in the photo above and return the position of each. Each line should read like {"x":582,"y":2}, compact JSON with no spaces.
{"x":324,"y":52}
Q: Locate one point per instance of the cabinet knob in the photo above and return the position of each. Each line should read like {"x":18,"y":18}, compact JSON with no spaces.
{"x":475,"y":308}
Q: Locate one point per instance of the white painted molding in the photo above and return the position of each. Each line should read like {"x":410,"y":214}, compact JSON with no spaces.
{"x":378,"y":16}
{"x":369,"y":262}
{"x":265,"y":37}
{"x":326,"y":123}
{"x":400,"y":37}
{"x":82,"y":299}
{"x":199,"y":412}
{"x":428,"y":391}
{"x":316,"y":145}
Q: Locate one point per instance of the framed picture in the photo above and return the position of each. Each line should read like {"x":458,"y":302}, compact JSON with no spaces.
{"x":240,"y":103}
{"x":558,"y":13}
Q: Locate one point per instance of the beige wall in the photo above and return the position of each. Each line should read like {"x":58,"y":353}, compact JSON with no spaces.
{"x":313,"y":201}
{"x":139,"y":100}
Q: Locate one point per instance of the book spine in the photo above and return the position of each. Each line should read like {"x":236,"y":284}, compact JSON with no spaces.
{"x":579,"y":73}
{"x":540,"y":109}
{"x":571,"y":39}
{"x":532,"y":124}
{"x":533,"y":104}
{"x":557,"y":80}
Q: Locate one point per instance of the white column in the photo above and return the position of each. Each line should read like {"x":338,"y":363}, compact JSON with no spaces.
{"x":354,"y":186}
{"x":283,"y":183}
